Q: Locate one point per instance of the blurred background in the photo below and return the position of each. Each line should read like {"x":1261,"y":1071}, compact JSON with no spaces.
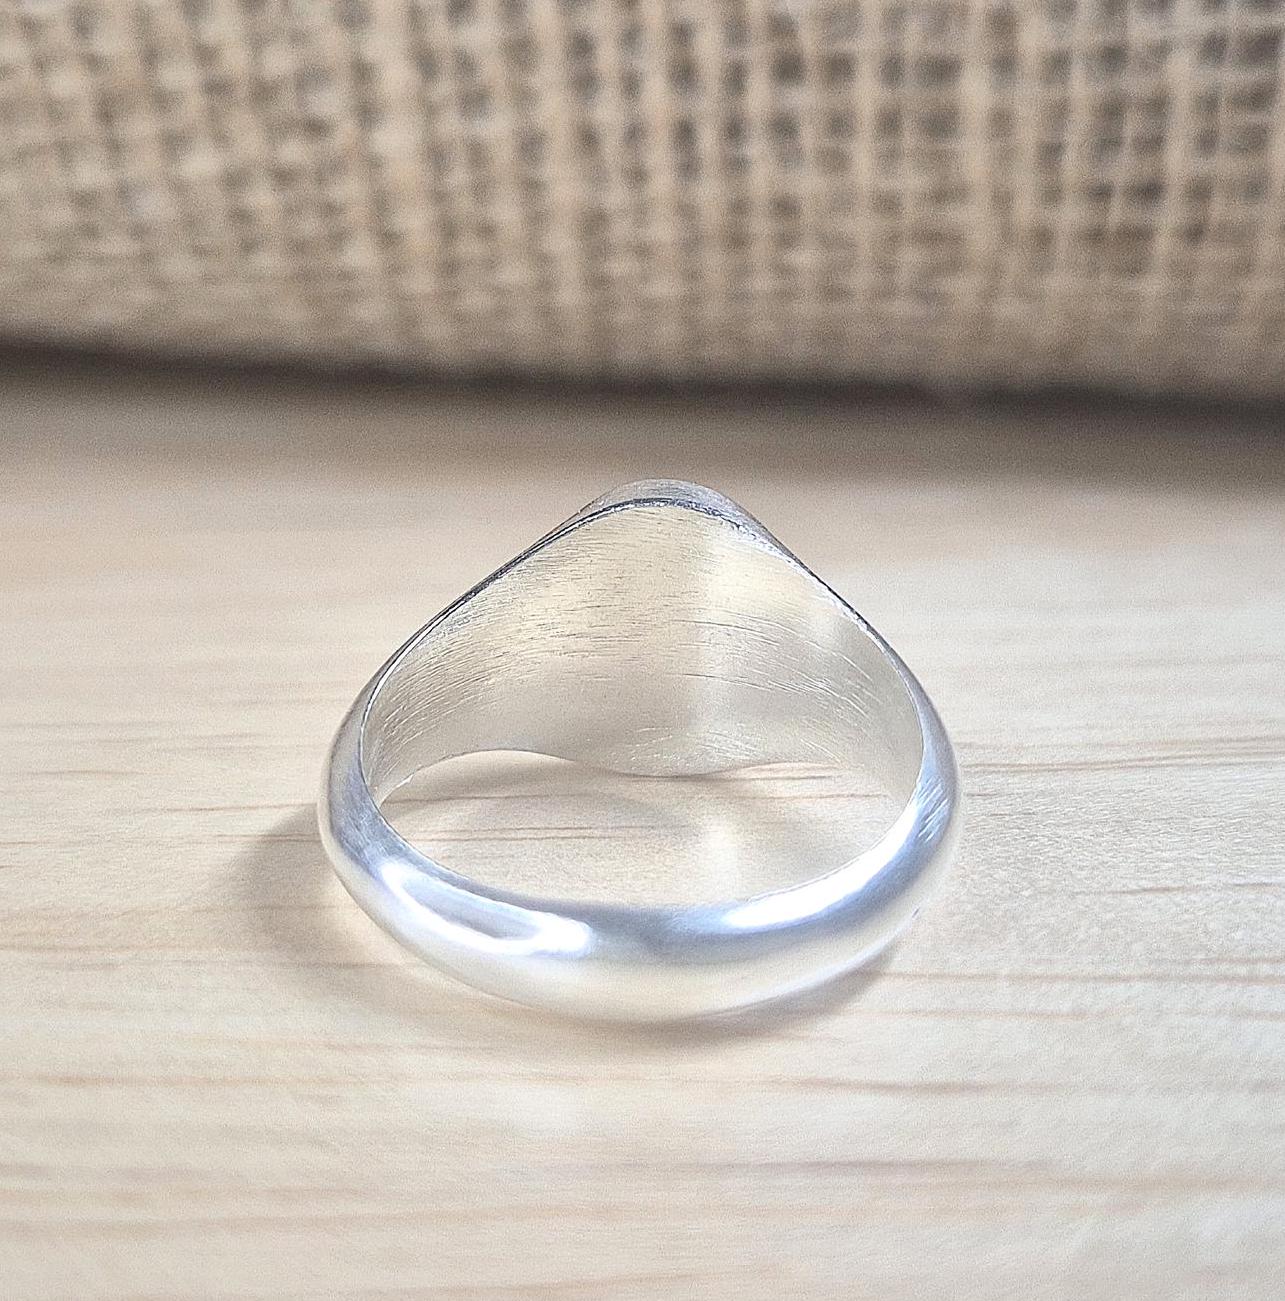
{"x":311,"y":315}
{"x":958,"y":193}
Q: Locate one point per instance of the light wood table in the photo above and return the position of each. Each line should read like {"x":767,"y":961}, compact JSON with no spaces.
{"x":220,"y":1079}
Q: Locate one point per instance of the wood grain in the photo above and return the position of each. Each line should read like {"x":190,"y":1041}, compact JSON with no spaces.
{"x":219,"y":1079}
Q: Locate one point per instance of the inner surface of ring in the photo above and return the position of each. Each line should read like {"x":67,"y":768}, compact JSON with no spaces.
{"x":652,"y":639}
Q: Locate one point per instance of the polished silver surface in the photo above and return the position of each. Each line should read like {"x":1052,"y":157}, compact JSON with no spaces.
{"x":659,"y":631}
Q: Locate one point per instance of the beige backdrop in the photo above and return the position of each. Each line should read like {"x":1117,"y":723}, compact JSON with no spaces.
{"x":979,"y":191}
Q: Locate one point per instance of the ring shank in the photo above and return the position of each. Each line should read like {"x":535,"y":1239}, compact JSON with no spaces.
{"x":654,"y":635}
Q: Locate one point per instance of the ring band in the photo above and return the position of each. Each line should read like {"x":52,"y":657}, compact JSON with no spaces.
{"x":659,"y":631}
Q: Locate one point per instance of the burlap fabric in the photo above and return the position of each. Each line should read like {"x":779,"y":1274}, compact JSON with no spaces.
{"x":1082,"y":191}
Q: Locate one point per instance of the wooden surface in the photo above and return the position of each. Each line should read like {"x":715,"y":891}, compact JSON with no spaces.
{"x":219,"y":1079}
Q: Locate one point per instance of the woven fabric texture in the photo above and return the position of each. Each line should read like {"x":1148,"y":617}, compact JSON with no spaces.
{"x":980,"y":192}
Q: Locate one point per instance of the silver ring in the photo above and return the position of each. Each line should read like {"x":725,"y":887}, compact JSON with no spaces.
{"x":659,"y":631}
